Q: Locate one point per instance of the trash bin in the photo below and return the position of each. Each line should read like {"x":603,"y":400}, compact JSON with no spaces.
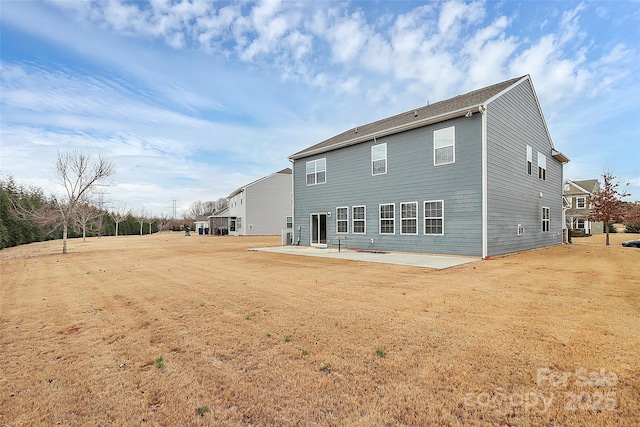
{"x":200,"y":231}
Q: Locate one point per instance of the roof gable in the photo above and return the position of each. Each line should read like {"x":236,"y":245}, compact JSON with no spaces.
{"x":285,"y":171}
{"x":429,"y":114}
{"x":587,"y":186}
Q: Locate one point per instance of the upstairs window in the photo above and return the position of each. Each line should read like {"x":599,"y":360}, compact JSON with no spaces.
{"x":409,"y":218}
{"x":317,"y":171}
{"x":358,"y":220}
{"x":388,"y":218}
{"x":581,"y":202}
{"x":542,"y":166}
{"x":546,"y":219}
{"x":289,"y":222}
{"x":379,"y":159}
{"x":529,"y":160}
{"x":342,"y":220}
{"x":444,"y":144}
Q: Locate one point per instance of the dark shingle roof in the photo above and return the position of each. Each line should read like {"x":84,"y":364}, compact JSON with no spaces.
{"x":417,"y":116}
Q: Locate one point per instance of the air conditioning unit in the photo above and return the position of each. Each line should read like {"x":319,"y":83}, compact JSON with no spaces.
{"x":287,"y":237}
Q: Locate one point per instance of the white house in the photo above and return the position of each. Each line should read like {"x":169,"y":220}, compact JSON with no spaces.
{"x":262,"y":207}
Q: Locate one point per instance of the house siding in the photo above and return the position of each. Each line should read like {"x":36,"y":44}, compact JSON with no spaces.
{"x":411,"y":177}
{"x":267,"y":205}
{"x":513,"y":197}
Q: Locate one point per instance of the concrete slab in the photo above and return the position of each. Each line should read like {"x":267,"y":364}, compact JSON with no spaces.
{"x":438,"y":262}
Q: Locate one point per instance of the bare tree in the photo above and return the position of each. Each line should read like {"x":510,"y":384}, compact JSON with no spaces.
{"x":141,"y":217}
{"x":119,"y":215}
{"x":222,"y":203}
{"x":78,"y":173}
{"x":607,"y":203}
{"x":162,"y":221}
{"x":208,"y":207}
{"x":86,"y":216}
{"x":149,"y":219}
{"x":194,"y":211}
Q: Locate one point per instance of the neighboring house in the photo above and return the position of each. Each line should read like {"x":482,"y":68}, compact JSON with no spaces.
{"x":476,"y":175}
{"x":201,"y":224}
{"x":578,"y":194}
{"x":259,"y":208}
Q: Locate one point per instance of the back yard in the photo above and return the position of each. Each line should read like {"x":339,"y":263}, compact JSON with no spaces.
{"x":175,"y":330}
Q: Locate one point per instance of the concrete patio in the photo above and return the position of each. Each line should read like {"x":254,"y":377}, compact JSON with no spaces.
{"x":437,"y":262}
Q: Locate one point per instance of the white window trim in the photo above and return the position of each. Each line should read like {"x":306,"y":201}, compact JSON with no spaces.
{"x":424,"y":217}
{"x":543,"y":220}
{"x":364,"y":220}
{"x":529,"y":164}
{"x":315,"y":172}
{"x":384,"y":144}
{"x":453,"y":129}
{"x":343,"y":220}
{"x":380,"y":219}
{"x":415,"y":218}
{"x":584,"y":202}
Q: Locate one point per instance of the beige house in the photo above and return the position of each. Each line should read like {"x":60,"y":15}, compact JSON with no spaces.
{"x":578,"y":206}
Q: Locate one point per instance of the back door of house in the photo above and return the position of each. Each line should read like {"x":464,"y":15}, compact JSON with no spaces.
{"x":319,"y":229}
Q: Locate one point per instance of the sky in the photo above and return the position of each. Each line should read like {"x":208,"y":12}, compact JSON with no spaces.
{"x":193,"y":99}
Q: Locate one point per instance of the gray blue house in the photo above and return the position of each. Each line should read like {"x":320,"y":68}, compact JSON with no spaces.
{"x":475,"y":175}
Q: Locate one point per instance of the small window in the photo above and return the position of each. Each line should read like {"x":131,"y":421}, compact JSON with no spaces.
{"x":520,"y":230}
{"x":289,"y":222}
{"x":359,"y":220}
{"x":379,"y":159}
{"x":409,"y":218}
{"x":388,"y":218}
{"x":434,"y":217}
{"x":542,"y":166}
{"x":444,"y":144}
{"x":316,"y":172}
{"x":529,"y":159}
{"x":580,"y":224}
{"x":342,"y":220}
{"x":566,"y":187}
{"x":545,"y":220}
{"x":581,"y":202}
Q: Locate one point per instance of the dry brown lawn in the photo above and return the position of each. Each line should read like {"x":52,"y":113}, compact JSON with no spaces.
{"x":544,"y":337}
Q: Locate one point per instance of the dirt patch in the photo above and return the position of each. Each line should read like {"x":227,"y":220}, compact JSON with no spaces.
{"x":543,"y":337}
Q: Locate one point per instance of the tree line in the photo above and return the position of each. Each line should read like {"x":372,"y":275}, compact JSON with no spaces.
{"x":25,"y":212}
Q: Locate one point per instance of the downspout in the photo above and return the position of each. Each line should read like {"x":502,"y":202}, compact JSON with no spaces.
{"x":293,"y":218}
{"x":485,"y":214}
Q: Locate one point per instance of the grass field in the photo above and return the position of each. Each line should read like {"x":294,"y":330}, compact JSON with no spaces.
{"x":170,"y":330}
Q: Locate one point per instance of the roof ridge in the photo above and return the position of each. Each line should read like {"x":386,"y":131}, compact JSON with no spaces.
{"x":459,"y":102}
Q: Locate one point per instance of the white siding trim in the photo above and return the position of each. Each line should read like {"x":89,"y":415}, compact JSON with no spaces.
{"x":485,"y":214}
